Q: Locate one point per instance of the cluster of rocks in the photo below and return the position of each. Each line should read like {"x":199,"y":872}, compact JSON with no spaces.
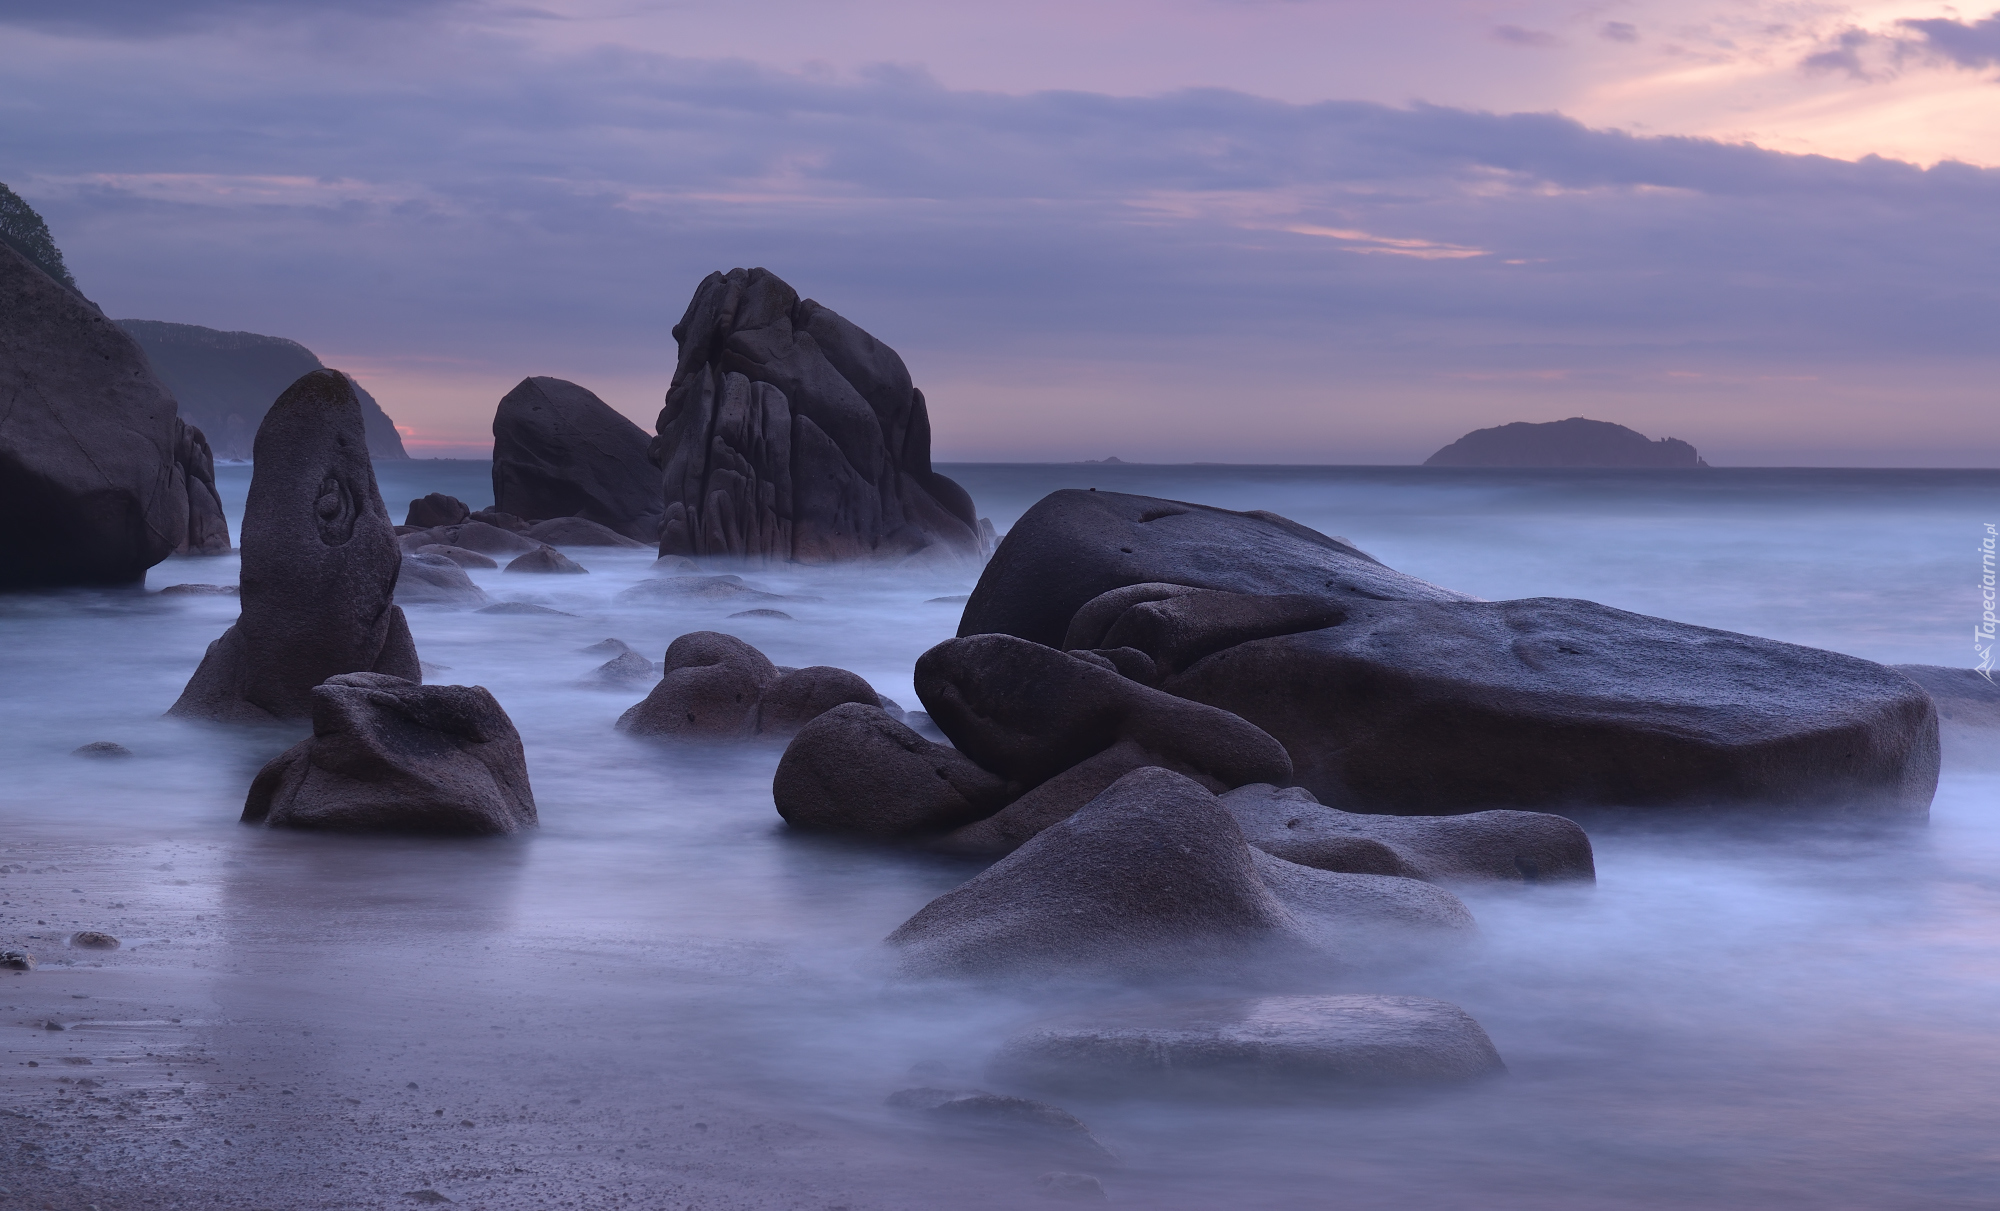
{"x":718,"y":687}
{"x":442,"y":536}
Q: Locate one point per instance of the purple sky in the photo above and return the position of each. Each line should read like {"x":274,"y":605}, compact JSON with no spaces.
{"x":1231,"y":230}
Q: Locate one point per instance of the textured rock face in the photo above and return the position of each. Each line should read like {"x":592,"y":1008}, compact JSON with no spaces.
{"x":320,"y":562}
{"x":390,"y":756}
{"x":791,"y":434}
{"x":1575,"y":442}
{"x":718,"y":687}
{"x":1263,"y":1045}
{"x":1509,"y":846}
{"x":578,"y":532}
{"x":1074,"y":545}
{"x":853,"y":769}
{"x":559,"y":451}
{"x":1151,"y":875}
{"x":1427,"y":708}
{"x":225,"y":382}
{"x":100,"y":478}
{"x":437,"y":509}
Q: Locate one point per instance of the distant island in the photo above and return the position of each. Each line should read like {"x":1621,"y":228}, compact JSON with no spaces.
{"x":1092,"y":462}
{"x":1575,"y":442}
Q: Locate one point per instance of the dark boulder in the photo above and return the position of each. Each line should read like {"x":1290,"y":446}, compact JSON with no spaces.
{"x":1154,"y":875}
{"x":676,"y":589}
{"x":101,"y":749}
{"x":1280,"y":1045}
{"x":1074,"y":545}
{"x":472,"y":536}
{"x":559,"y":451}
{"x":100,"y":478}
{"x":437,"y":509}
{"x":320,"y":563}
{"x":1431,"y":708}
{"x":546,"y":559}
{"x":711,"y":688}
{"x":499,"y":520}
{"x":802,"y":695}
{"x":390,"y":756}
{"x":854,"y":769}
{"x":1516,"y":847}
{"x":436,"y":580}
{"x":790,"y":434}
{"x":458,"y":555}
{"x":579,"y":532}
{"x":1575,"y":442}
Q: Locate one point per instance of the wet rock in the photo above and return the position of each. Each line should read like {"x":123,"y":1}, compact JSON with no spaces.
{"x":320,"y":563}
{"x":101,"y":749}
{"x":791,"y":434}
{"x":1154,"y":875}
{"x":437,"y":509}
{"x":761,"y":613}
{"x":100,"y":477}
{"x":1515,"y":847}
{"x":856,"y":770}
{"x":623,"y":671}
{"x":201,"y":590}
{"x":696,"y":588}
{"x":477,"y":536}
{"x":1550,"y":704}
{"x":559,"y":451}
{"x":429,"y":579}
{"x":987,"y":1113}
{"x":1282,"y":1045}
{"x":389,"y":755}
{"x":675,"y":565}
{"x":711,"y":689}
{"x":1073,"y":546}
{"x":1070,"y":1187}
{"x":1065,"y":728}
{"x":16,"y":960}
{"x":90,"y":939}
{"x":458,"y":555}
{"x":579,"y":532}
{"x":547,"y":559}
{"x":606,"y":647}
{"x":802,"y":695}
{"x":501,"y":520}
{"x":523,"y":607}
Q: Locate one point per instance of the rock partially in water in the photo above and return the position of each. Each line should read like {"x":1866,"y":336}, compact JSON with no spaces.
{"x":458,"y":555}
{"x":711,"y":689}
{"x":201,"y":590}
{"x":623,"y":671}
{"x":606,"y":647}
{"x":998,"y":1114}
{"x":689,"y":587}
{"x":523,"y":607}
{"x":547,"y":560}
{"x":436,"y":579}
{"x":90,"y":939}
{"x":856,"y":770}
{"x":474,"y":535}
{"x":391,"y":756}
{"x":1153,"y":876}
{"x":762,"y":613}
{"x":579,"y":532}
{"x":802,"y":695}
{"x":16,"y":960}
{"x":559,"y":451}
{"x":501,"y":520}
{"x":437,"y":509}
{"x":789,"y":434}
{"x":101,"y":749}
{"x":1277,"y":1045}
{"x":675,"y":565}
{"x":1070,"y":1187}
{"x":320,"y":563}
{"x":1510,"y":846}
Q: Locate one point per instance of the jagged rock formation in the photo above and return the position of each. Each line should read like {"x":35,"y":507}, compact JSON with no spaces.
{"x":100,"y":478}
{"x":791,"y":434}
{"x":390,"y":756}
{"x":559,"y":451}
{"x":225,"y":382}
{"x":320,"y":563}
{"x":1575,"y":442}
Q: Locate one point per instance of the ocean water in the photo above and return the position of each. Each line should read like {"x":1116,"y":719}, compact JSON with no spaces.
{"x":664,"y":999}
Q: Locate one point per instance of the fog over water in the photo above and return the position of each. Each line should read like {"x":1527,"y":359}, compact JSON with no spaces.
{"x":663,"y":999}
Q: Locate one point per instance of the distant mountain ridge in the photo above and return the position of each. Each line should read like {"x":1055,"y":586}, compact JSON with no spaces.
{"x":226,"y":381}
{"x":1575,"y":442}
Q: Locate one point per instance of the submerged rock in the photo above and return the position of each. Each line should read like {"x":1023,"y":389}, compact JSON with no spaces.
{"x":999,"y":1114}
{"x":201,"y":590}
{"x":546,"y":559}
{"x":559,"y":451}
{"x":435,"y":579}
{"x":458,"y":555}
{"x":691,"y":588}
{"x":320,"y":563}
{"x":101,"y":749}
{"x":623,"y":671}
{"x":790,"y":434}
{"x":1515,"y":847}
{"x":579,"y":532}
{"x":523,"y":607}
{"x":100,"y":477}
{"x":1283,"y":1045}
{"x":1154,"y":875}
{"x":437,"y":509}
{"x":389,"y":755}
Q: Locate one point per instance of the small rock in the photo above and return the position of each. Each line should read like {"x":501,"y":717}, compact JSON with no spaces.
{"x":675,"y":565}
{"x":16,"y":960}
{"x":624,"y":670}
{"x":90,"y":939}
{"x":52,"y":1025}
{"x":762,"y":614}
{"x":980,"y":1110}
{"x":101,"y":748}
{"x":458,"y":555}
{"x":606,"y":647}
{"x":522,"y":607}
{"x":961,"y":599}
{"x":1070,"y":1187}
{"x":547,"y":559}
{"x":202,"y":590}
{"x":425,"y":1196}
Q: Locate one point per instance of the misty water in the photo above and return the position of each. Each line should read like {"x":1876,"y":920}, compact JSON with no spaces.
{"x":662,"y":998}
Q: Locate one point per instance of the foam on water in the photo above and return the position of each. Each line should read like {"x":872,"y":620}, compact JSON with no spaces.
{"x":1799,"y":1019}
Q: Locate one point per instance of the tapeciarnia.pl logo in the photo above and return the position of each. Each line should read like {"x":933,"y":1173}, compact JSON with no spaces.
{"x":1982,"y":635}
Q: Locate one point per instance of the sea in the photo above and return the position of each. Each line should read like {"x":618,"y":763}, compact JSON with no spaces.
{"x":664,"y":998}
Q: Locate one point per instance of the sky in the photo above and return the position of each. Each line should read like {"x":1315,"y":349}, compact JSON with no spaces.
{"x":1305,"y":231}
